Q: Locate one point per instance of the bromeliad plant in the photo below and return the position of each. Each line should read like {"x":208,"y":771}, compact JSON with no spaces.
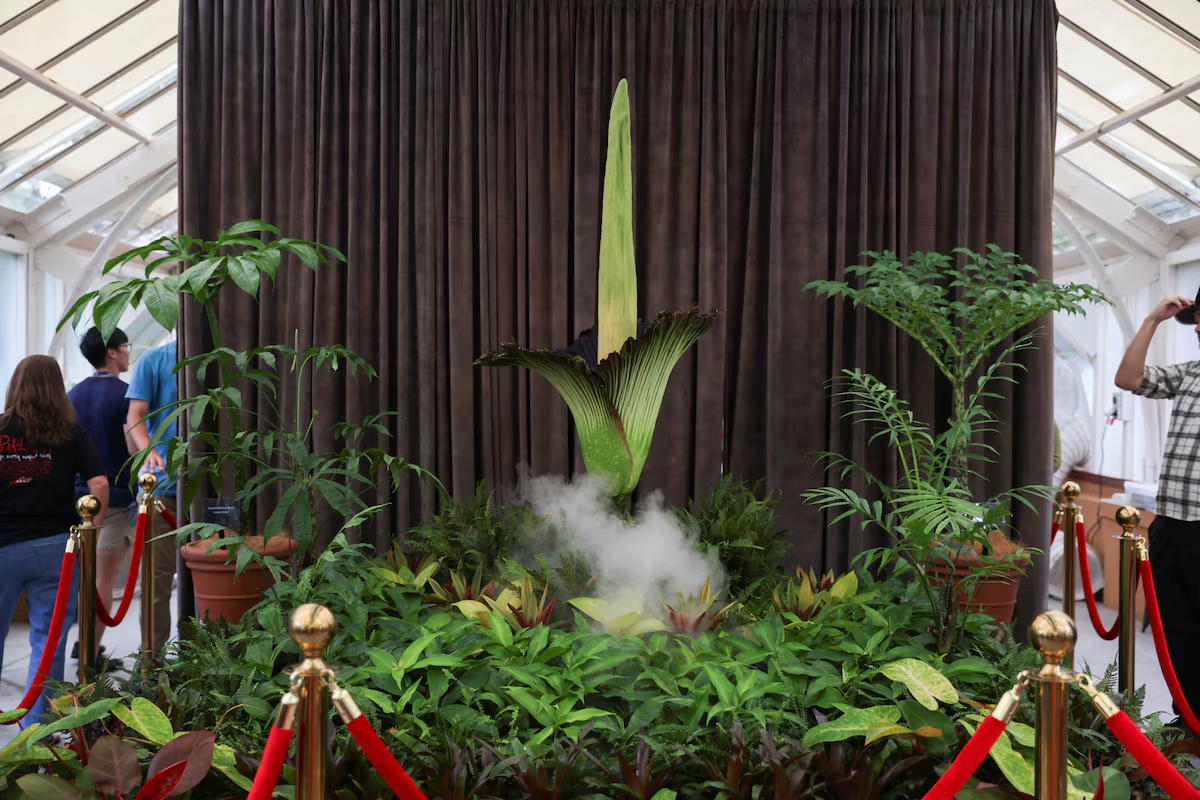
{"x":615,"y":389}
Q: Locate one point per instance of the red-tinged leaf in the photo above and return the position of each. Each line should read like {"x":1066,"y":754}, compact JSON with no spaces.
{"x":113,"y":766}
{"x":164,"y":783}
{"x":48,"y":787}
{"x":1100,"y":788}
{"x":194,"y":748}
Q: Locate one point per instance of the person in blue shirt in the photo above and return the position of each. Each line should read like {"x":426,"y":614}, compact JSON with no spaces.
{"x":151,"y":390}
{"x":100,"y":407}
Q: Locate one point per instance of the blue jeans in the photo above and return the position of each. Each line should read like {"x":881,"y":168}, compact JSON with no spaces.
{"x":35,"y":566}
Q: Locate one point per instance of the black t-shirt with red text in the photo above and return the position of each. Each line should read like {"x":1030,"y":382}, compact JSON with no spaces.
{"x":37,"y":485}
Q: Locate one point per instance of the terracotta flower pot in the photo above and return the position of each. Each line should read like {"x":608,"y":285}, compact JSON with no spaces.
{"x":218,"y":594}
{"x":996,"y":596}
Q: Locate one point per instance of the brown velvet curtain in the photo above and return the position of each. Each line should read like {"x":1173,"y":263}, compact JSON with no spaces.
{"x":455,"y":149}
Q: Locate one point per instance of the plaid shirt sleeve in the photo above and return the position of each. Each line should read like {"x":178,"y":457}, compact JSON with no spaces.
{"x":1162,"y":383}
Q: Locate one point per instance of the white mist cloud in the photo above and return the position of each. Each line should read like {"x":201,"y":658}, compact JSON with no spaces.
{"x":650,"y":556}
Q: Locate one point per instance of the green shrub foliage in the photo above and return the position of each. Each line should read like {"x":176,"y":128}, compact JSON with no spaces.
{"x":738,"y":519}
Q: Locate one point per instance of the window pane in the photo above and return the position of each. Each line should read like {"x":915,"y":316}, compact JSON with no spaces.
{"x":117,"y":48}
{"x":1185,"y":13}
{"x":1178,"y":123}
{"x":157,"y":65}
{"x":156,"y":114}
{"x":1132,"y":34}
{"x":25,"y":106}
{"x":1084,"y":111}
{"x":60,"y":26}
{"x":1085,"y":62}
{"x":90,"y":157}
{"x":10,"y":9}
{"x":1111,"y":171}
{"x":12,"y":339}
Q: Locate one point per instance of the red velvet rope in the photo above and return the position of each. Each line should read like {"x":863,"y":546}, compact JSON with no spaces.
{"x":1175,"y":785}
{"x":1085,"y":573}
{"x":135,"y":562}
{"x":56,"y":623}
{"x":379,"y":756}
{"x":1164,"y":656}
{"x":1054,"y":529}
{"x":968,"y":760}
{"x":272,"y":762}
{"x":168,"y":517}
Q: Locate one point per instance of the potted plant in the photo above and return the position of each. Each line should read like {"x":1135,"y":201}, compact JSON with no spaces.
{"x":965,"y":310}
{"x":272,"y":454}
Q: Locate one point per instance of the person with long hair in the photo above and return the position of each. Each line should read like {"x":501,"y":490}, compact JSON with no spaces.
{"x":42,"y":449}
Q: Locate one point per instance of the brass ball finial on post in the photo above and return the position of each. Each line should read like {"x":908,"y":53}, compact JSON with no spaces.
{"x":1053,"y":634}
{"x":148,"y":482}
{"x":1128,"y":518}
{"x":88,"y":507}
{"x":311,"y":626}
{"x":1072,"y":515}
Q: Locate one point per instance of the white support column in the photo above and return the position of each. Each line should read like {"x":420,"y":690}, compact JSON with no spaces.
{"x":1098,"y":271}
{"x":115,"y":235}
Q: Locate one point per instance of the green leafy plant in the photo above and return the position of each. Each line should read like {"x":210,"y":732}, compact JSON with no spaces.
{"x":738,"y":520}
{"x":960,"y":308}
{"x":473,"y":533}
{"x":279,"y":447}
{"x":805,"y":595}
{"x":245,"y":254}
{"x":615,"y":395}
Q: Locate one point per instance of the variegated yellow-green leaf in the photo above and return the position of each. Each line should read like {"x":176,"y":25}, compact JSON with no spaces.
{"x":926,"y":684}
{"x":1015,"y":766}
{"x":853,"y":722}
{"x":845,"y":586}
{"x":225,"y":761}
{"x":147,"y":719}
{"x":473,"y":609}
{"x":618,"y":618}
{"x":616,"y":291}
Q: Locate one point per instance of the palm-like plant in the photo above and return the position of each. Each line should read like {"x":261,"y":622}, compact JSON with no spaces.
{"x":615,"y":398}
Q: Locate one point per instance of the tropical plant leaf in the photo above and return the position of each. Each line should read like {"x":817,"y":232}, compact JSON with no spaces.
{"x":616,"y":292}
{"x":48,"y":787}
{"x":113,"y":766}
{"x":146,"y":718}
{"x":195,"y":748}
{"x":853,"y":722}
{"x":602,"y":438}
{"x":926,"y":684}
{"x":635,"y":378}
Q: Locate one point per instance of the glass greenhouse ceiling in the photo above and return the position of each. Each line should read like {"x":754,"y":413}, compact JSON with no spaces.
{"x":86,"y":84}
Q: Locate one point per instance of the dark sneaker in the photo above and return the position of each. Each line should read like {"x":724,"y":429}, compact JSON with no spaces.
{"x":75,"y":651}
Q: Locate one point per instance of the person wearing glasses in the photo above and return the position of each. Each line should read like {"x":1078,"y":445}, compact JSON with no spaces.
{"x":101,"y":408}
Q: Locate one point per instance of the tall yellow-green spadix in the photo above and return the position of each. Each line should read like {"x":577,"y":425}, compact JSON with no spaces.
{"x":615,"y":399}
{"x":616,"y":292}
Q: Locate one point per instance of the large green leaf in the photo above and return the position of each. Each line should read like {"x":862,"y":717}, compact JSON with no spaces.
{"x":601,"y":434}
{"x":853,"y":722}
{"x":616,"y":293}
{"x":926,"y":684}
{"x":636,"y":378}
{"x":1015,"y":767}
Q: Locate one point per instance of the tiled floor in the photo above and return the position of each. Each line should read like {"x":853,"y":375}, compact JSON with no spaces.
{"x":126,"y":639}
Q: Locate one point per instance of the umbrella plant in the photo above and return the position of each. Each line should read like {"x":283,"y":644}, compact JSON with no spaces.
{"x":613,"y":379}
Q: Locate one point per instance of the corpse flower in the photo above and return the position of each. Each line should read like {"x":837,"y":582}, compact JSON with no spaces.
{"x":614,"y":377}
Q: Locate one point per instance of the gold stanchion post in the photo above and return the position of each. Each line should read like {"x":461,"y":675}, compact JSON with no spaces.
{"x":1052,"y":633}
{"x":87,"y":507}
{"x":1128,"y":518}
{"x":311,"y":626}
{"x":1070,"y":491}
{"x":148,"y":482}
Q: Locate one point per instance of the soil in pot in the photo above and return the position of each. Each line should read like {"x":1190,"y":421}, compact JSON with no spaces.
{"x":218,"y":594}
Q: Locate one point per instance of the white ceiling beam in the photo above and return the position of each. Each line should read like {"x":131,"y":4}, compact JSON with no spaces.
{"x":1103,"y":280}
{"x":1132,"y":114}
{"x":95,"y":266}
{"x":1110,"y":214}
{"x":72,"y":212}
{"x":30,"y":74}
